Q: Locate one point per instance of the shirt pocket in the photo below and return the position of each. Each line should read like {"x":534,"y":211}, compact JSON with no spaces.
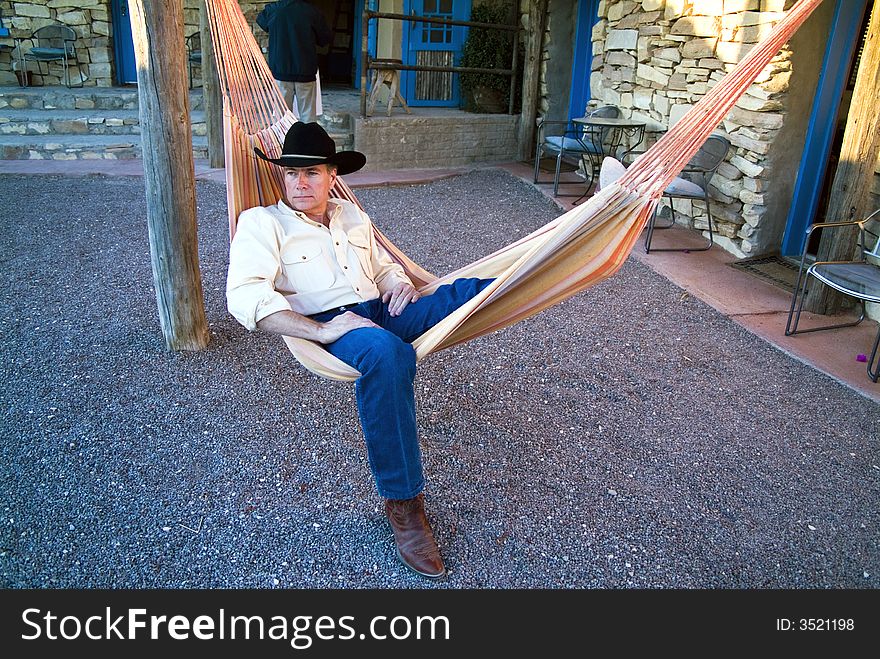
{"x":307,"y":269}
{"x":359,"y":243}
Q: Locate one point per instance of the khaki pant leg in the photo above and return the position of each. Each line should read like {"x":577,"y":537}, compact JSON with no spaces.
{"x":306,"y":100}
{"x":287,"y":90}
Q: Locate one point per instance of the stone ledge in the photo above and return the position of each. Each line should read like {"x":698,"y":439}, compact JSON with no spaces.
{"x":32,"y":121}
{"x":79,"y":147}
{"x":78,"y":98}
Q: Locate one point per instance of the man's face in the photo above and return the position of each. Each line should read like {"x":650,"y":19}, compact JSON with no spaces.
{"x":308,"y":188}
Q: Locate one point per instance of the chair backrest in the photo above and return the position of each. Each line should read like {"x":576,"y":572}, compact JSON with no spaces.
{"x":872,"y":237}
{"x":194,"y":43}
{"x":873,"y":253}
{"x":705,"y":162}
{"x":61,"y":37}
{"x":600,"y":137}
{"x":551,"y":128}
{"x":606,"y":111}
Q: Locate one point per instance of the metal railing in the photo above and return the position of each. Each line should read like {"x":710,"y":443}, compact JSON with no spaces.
{"x":369,"y":15}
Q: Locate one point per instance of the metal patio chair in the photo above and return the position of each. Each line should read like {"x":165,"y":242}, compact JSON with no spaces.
{"x":573,"y":144}
{"x":50,"y":43}
{"x":858,"y":278}
{"x":692,"y":183}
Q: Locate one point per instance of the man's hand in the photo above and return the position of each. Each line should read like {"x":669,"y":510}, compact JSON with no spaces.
{"x":342,"y":324}
{"x":400,"y":296}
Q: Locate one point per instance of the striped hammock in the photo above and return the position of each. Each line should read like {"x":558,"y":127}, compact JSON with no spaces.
{"x":573,"y":252}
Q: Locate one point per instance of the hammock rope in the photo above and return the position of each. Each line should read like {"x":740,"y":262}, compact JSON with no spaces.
{"x":567,"y":255}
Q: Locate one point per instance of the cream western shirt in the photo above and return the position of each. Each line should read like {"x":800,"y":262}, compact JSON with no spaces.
{"x":281,"y":260}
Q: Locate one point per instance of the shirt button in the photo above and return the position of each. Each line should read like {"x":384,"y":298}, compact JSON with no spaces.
{"x":304,"y":258}
{"x":337,"y":242}
{"x":345,"y":267}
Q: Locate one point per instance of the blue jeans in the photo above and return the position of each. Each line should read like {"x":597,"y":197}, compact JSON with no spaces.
{"x":384,"y":392}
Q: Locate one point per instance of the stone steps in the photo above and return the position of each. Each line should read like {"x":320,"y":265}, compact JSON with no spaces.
{"x":98,"y":123}
{"x":93,"y":147}
{"x":31,"y":121}
{"x":80,"y":147}
{"x":83,"y":98}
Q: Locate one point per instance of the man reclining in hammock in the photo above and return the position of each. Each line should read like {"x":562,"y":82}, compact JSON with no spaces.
{"x":310,"y":267}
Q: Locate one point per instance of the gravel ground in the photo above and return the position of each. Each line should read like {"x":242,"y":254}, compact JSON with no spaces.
{"x":629,"y":437}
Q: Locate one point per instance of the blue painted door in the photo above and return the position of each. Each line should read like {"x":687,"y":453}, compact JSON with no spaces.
{"x":358,"y":36}
{"x":823,"y":125}
{"x":588,"y":15}
{"x":433,"y":44}
{"x":123,"y":45}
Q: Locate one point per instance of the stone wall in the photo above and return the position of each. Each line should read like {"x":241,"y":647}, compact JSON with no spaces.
{"x":425,"y":142}
{"x":92,"y":21}
{"x":656,"y":58}
{"x":89,"y":18}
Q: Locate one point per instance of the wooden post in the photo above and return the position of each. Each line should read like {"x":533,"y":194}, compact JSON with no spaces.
{"x":211,"y":98}
{"x":849,"y":197}
{"x":531,"y":78}
{"x":169,"y":175}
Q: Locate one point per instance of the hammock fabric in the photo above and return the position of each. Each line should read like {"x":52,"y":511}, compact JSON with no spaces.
{"x":573,"y":252}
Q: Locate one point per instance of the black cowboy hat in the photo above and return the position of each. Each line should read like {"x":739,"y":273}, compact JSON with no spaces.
{"x":309,"y":144}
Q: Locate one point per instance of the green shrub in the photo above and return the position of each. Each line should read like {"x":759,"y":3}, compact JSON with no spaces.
{"x":487,"y":49}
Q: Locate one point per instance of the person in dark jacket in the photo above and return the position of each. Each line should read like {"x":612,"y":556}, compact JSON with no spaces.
{"x":296,"y":29}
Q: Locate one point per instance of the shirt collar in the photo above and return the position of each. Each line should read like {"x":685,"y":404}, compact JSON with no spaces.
{"x":333,"y":206}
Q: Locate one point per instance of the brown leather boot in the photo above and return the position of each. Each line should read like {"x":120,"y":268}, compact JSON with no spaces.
{"x":415,"y":542}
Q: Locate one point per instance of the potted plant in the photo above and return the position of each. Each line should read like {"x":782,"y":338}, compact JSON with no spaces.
{"x":487,"y":49}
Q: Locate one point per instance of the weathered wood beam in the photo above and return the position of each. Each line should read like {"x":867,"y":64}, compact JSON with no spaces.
{"x":211,"y":97}
{"x":531,"y":79}
{"x":850,"y":190}
{"x":169,"y":175}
